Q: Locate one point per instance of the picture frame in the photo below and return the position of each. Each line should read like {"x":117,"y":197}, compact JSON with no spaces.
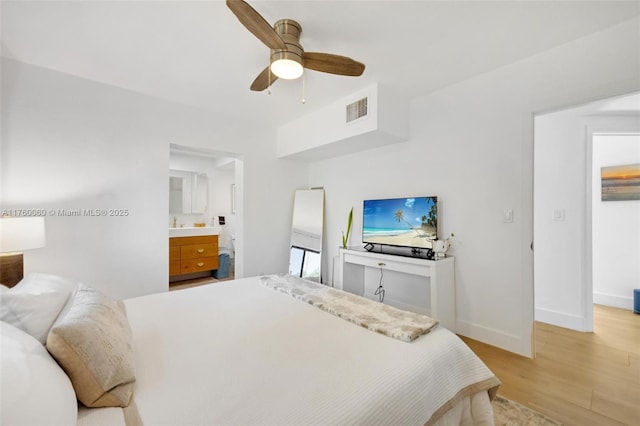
{"x":620,"y":183}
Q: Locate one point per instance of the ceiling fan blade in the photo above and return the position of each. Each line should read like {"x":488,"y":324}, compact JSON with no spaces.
{"x":262,"y":80}
{"x":333,"y":64}
{"x":255,"y":23}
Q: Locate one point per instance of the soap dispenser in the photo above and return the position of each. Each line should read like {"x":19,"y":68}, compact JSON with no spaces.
{"x":174,"y":222}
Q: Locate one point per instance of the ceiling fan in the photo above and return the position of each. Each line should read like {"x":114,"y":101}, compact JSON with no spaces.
{"x":288,"y":58}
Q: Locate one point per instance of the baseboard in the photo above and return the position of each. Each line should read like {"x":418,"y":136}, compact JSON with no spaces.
{"x":613,"y":301}
{"x":506,"y":341}
{"x":560,"y":319}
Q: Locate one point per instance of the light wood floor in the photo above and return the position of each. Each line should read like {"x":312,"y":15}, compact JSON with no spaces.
{"x":576,"y":378}
{"x":180,"y":285}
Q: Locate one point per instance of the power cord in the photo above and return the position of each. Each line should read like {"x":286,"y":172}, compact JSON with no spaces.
{"x":380,"y":290}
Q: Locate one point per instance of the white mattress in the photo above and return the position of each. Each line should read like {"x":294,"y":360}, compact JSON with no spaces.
{"x":240,"y":353}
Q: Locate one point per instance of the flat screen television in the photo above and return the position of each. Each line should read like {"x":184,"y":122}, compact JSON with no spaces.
{"x":401,"y":222}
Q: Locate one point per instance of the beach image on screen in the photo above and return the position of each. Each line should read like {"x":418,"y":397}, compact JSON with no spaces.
{"x":410,"y":222}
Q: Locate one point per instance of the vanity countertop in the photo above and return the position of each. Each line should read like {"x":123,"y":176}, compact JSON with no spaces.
{"x":193,"y":231}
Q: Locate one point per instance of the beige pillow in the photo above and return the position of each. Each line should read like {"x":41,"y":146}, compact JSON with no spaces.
{"x":92,"y":344}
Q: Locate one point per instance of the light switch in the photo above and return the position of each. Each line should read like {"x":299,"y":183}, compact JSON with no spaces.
{"x":558,"y":215}
{"x":507,"y":216}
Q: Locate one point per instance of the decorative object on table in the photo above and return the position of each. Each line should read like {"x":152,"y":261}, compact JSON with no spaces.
{"x":440,"y":247}
{"x":621,"y":183}
{"x":345,"y":237}
{"x":16,"y":235}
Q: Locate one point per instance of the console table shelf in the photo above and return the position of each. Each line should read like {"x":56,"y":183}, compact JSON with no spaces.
{"x":438,"y":273}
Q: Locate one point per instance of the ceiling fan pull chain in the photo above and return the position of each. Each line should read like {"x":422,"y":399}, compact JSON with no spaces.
{"x":303,"y":87}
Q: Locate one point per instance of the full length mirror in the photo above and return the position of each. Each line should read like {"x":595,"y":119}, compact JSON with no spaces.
{"x":188,"y":192}
{"x":305,"y":259}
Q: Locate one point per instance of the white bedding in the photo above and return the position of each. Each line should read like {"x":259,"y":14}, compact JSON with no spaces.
{"x":240,"y":353}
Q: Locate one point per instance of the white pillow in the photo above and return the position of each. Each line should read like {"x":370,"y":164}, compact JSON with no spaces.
{"x":35,"y":390}
{"x":36,"y":282}
{"x":35,"y":302}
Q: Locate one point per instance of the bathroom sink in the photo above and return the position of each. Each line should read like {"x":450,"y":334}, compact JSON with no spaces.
{"x":193,"y":231}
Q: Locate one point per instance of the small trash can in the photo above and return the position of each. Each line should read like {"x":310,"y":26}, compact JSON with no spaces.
{"x":636,"y":301}
{"x":223,"y":266}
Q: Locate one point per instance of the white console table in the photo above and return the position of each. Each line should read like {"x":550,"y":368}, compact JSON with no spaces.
{"x":353,"y":262}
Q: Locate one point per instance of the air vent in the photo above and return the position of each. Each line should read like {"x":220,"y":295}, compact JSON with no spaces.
{"x":356,"y":110}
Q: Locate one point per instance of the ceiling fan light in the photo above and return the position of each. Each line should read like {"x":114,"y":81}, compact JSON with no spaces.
{"x":287,"y":69}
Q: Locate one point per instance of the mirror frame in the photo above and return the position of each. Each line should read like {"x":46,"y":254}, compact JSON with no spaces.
{"x":307,"y":232}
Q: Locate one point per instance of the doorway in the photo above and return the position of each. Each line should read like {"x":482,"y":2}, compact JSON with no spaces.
{"x":218,"y":205}
{"x":563,"y":209}
{"x":615,"y":217}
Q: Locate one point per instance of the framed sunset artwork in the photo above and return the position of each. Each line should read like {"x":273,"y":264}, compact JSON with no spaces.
{"x":621,"y":183}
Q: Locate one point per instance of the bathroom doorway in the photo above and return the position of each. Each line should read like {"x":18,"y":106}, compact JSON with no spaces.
{"x":212,"y":202}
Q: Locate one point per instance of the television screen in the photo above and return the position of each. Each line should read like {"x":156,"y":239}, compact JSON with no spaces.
{"x":404,"y":222}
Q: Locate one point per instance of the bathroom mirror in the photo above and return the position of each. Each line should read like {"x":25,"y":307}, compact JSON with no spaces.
{"x":188,"y":192}
{"x":305,"y":258}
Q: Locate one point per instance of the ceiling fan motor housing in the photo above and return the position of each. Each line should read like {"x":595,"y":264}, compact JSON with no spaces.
{"x":289,"y":30}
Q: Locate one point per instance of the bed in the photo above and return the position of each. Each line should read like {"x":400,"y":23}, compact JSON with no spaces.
{"x":243,"y":352}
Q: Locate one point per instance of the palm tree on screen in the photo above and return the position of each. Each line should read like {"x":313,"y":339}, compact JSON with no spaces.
{"x":399,"y":215}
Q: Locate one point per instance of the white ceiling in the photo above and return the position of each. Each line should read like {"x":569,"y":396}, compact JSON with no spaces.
{"x":198,"y":53}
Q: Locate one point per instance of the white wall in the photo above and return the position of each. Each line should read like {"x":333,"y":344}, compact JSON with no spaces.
{"x":563,"y":152}
{"x":72,"y":143}
{"x":221,"y":181}
{"x":616,"y":227}
{"x":471,"y":144}
{"x":560,"y":162}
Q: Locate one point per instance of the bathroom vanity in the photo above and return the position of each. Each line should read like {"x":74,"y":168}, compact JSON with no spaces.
{"x":190,"y":254}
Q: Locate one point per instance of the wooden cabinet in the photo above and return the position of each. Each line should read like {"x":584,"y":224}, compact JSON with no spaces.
{"x":193,"y":254}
